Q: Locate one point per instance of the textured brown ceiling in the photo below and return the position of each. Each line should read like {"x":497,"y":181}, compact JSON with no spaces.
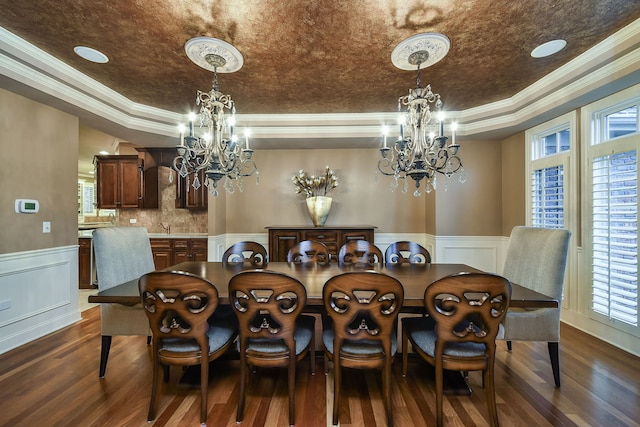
{"x":303,"y":56}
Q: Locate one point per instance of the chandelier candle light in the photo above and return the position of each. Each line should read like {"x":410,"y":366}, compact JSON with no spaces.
{"x":217,"y":153}
{"x":421,"y":149}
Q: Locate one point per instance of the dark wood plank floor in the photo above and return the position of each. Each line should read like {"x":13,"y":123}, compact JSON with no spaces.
{"x":54,"y":382}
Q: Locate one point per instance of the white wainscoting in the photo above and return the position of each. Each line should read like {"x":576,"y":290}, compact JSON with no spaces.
{"x":485,"y":253}
{"x":219,"y":244}
{"x":482,"y":252}
{"x":41,"y":288}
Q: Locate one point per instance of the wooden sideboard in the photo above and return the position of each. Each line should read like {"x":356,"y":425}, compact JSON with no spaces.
{"x":282,"y":238}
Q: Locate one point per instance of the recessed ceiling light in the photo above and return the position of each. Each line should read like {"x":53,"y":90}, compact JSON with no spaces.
{"x":548,"y":48}
{"x":104,"y":153}
{"x":91,"y":54}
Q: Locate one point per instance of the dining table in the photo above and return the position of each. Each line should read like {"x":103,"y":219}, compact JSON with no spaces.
{"x":414,"y":279}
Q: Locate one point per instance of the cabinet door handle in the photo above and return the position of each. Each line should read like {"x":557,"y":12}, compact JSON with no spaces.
{"x":321,"y":236}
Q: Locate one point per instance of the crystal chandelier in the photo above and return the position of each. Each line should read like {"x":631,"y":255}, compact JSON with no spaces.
{"x":421,"y":150}
{"x":217,"y":152}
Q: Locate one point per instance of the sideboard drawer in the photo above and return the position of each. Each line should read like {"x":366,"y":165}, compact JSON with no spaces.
{"x":323,"y":236}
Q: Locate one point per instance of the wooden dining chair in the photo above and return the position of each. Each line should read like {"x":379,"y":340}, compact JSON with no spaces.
{"x":309,"y":252}
{"x":406,"y":252}
{"x":360,"y":253}
{"x":122,"y":254}
{"x":460,"y":335}
{"x":363,"y":307}
{"x":250,"y":253}
{"x":179,"y":306}
{"x":273,"y":332}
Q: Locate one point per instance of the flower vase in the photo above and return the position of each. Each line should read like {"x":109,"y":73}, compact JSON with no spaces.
{"x":319,"y":207}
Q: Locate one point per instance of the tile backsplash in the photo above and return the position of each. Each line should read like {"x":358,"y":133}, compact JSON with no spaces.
{"x":180,"y":220}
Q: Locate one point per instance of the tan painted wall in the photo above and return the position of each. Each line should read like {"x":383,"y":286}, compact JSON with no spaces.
{"x":472,"y":208}
{"x":358,"y":200}
{"x":513,"y":188}
{"x":40,"y":161}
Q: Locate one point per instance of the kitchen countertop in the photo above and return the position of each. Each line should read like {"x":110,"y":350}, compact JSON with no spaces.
{"x":89,"y":234}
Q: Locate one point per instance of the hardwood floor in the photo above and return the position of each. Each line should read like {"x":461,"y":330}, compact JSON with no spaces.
{"x":54,"y":382}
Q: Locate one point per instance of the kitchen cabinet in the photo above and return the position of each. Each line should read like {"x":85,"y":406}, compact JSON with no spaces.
{"x":85,"y":279}
{"x":170,"y":251}
{"x":188,"y":197}
{"x":162,"y":250}
{"x":189,"y":250}
{"x":283,"y":238}
{"x":122,"y":182}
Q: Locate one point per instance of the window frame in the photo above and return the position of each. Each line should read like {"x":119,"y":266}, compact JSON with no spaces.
{"x":566,"y":159}
{"x":571,"y":208}
{"x":595,"y":145}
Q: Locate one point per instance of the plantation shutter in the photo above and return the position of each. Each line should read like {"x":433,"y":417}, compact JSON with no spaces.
{"x":547,"y":201}
{"x":615,"y":236}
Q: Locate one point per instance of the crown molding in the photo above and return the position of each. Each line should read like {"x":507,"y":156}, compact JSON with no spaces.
{"x":607,"y":67}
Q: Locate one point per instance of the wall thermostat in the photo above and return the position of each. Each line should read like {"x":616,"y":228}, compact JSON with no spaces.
{"x":27,"y":206}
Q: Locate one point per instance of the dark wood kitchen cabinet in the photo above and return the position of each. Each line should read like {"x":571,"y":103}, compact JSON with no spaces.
{"x":188,"y":197}
{"x":170,"y":251}
{"x":189,"y":250}
{"x":283,"y":238}
{"x":123,"y":183}
{"x":162,"y":250}
{"x":84,"y":263}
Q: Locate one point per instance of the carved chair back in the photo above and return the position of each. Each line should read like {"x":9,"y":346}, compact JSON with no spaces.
{"x":405,"y":252}
{"x":360,"y":253}
{"x":309,"y":252}
{"x":251,"y":253}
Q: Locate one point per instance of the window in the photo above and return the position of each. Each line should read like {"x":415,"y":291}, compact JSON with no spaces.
{"x":547,"y":191}
{"x":611,"y":190}
{"x":621,"y":122}
{"x":549,"y":157}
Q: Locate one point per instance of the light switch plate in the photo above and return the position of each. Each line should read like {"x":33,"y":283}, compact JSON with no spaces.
{"x":46,"y":227}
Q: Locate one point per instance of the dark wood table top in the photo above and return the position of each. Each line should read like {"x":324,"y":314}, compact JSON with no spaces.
{"x":414,"y":280}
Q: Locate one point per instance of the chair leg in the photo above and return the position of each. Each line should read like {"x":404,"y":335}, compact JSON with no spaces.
{"x":405,"y":352}
{"x":386,"y":386}
{"x":508,"y":345}
{"x":104,"y":354}
{"x":243,"y":382}
{"x":554,"y":356}
{"x":312,"y":352}
{"x":326,"y":364}
{"x":204,"y":386}
{"x":490,"y":393}
{"x":337,"y":378}
{"x":157,"y":372}
{"x":439,"y":393}
{"x":292,"y":389}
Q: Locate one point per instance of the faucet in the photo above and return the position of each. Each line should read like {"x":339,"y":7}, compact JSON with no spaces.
{"x":112,"y":218}
{"x":166,"y":228}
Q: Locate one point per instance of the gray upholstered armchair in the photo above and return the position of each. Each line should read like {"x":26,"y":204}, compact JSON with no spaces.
{"x":122,"y":254}
{"x":536,"y":258}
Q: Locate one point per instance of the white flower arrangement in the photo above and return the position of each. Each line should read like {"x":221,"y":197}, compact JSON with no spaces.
{"x":312,"y":185}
